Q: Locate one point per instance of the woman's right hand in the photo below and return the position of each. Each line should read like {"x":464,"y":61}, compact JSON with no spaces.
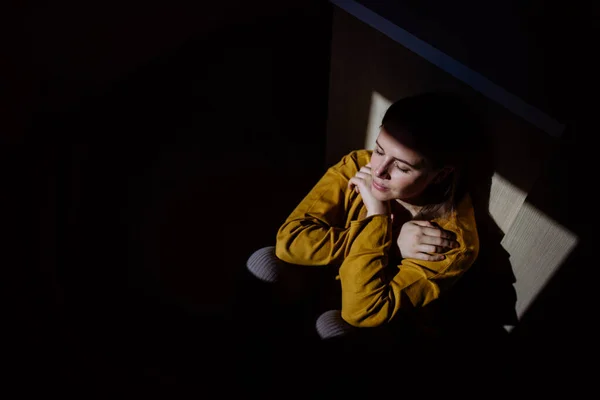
{"x":361,"y":183}
{"x":425,"y":241}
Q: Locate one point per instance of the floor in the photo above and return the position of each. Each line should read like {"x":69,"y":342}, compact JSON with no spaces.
{"x":168,"y":182}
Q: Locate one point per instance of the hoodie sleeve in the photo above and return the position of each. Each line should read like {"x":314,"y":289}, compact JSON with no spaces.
{"x":373,"y":292}
{"x":317,"y":231}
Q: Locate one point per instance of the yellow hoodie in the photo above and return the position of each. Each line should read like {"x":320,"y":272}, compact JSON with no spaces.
{"x":327,"y":228}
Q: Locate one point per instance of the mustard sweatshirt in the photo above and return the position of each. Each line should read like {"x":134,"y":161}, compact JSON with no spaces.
{"x":327,"y":228}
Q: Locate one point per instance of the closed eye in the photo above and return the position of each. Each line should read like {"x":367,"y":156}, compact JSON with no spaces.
{"x":398,"y":165}
{"x":406,"y":171}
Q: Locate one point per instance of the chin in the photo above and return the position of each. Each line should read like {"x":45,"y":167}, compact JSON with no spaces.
{"x":383,"y":196}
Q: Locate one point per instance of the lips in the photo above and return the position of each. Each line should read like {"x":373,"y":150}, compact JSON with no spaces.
{"x":379,"y":187}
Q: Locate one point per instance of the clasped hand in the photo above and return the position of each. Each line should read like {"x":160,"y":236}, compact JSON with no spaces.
{"x":361,"y":183}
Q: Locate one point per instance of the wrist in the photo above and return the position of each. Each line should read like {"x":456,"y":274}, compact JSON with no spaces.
{"x":376,"y":212}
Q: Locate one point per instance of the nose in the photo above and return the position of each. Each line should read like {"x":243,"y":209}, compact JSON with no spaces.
{"x":381,"y":171}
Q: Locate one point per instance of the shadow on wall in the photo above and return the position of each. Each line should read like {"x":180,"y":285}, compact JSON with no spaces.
{"x":485,"y":299}
{"x":483,"y":302}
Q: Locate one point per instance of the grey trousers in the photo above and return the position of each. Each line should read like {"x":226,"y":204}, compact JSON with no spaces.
{"x":295,"y":283}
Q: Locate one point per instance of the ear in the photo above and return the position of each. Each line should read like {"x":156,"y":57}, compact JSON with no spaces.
{"x":443,"y":174}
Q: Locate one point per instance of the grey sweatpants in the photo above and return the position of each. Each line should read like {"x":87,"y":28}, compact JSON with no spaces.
{"x":294,"y":283}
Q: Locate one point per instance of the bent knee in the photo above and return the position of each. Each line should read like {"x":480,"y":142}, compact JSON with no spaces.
{"x":265,"y":265}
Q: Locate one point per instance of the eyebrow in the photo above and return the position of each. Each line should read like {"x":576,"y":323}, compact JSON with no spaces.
{"x":399,"y":159}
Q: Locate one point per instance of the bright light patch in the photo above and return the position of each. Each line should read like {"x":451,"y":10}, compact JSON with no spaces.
{"x":379,"y":105}
{"x":506,"y":200}
{"x":538,"y":246}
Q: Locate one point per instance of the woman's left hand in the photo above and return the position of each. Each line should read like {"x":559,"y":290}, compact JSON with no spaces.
{"x":361,"y":183}
{"x":425,"y":241}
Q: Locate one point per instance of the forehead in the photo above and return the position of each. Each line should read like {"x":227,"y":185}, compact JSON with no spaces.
{"x":394,"y":147}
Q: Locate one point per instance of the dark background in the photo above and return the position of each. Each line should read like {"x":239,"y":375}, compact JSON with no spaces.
{"x":529,"y":48}
{"x":149,"y":148}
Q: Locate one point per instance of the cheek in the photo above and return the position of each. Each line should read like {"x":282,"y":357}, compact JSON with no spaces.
{"x":375,"y":159}
{"x":408,"y":185}
{"x":402,"y":183}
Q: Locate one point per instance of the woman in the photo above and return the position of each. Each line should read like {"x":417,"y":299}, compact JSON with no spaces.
{"x":396,"y":224}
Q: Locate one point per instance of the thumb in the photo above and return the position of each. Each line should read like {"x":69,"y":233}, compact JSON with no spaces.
{"x":422,"y":223}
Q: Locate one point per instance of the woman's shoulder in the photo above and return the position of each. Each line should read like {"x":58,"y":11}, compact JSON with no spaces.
{"x":462,"y":222}
{"x":351,"y":162}
{"x":462,"y":213}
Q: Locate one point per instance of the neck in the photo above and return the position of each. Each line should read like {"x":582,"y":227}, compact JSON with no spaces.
{"x":428,"y":201}
{"x":414,"y":209}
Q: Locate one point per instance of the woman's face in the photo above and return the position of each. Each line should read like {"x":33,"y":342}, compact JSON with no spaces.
{"x":398,"y":171}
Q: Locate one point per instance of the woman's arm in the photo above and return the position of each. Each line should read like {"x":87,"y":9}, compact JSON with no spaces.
{"x":373,"y":292}
{"x":317,"y":232}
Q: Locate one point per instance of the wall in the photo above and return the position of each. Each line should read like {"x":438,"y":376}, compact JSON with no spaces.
{"x":537,"y":176}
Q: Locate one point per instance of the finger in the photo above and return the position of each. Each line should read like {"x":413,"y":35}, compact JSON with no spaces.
{"x":434,"y":230}
{"x":438,"y":241}
{"x":429,"y":257}
{"x":363,"y":175}
{"x":431,"y":249}
{"x":439,"y":232}
{"x":356,"y":182}
{"x":361,"y":179}
{"x":366,"y":170}
{"x":422,"y":223}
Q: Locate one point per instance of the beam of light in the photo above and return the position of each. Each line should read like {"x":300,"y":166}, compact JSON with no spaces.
{"x":378,"y":106}
{"x":538,"y":246}
{"x":505,"y":201}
